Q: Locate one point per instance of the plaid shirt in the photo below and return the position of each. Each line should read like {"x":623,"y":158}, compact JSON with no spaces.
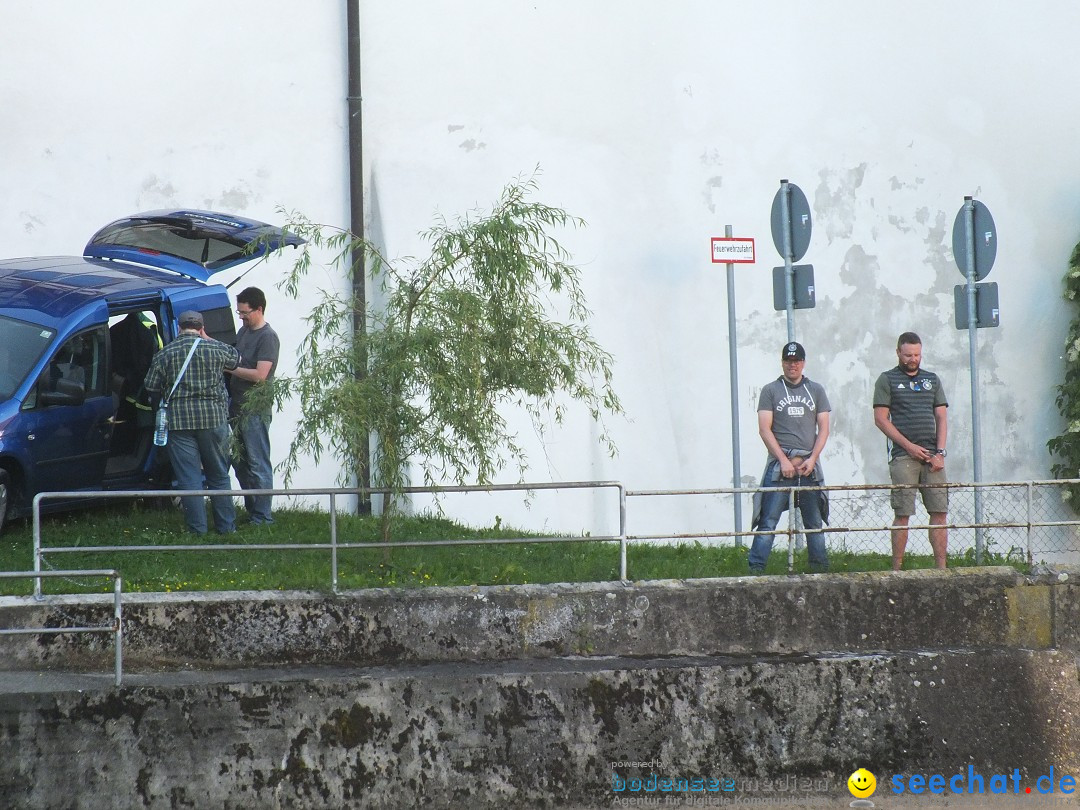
{"x":200,"y":400}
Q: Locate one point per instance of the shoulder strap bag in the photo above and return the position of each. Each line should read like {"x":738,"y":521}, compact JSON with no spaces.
{"x":161,"y":424}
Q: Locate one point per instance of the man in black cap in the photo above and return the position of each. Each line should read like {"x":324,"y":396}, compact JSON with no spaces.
{"x":793,"y":421}
{"x":198,"y":418}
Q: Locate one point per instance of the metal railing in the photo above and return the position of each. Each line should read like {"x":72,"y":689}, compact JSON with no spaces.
{"x":334,"y":546}
{"x":116,"y":627}
{"x":1021,"y":520}
{"x":1026,"y":517}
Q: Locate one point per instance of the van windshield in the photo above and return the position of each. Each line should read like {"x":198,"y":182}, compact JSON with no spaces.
{"x":23,"y":343}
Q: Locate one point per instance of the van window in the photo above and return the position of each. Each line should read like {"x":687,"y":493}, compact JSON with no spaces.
{"x":81,"y":359}
{"x":219,"y":325}
{"x":23,"y":343}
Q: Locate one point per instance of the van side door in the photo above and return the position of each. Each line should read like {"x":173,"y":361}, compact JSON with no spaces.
{"x":69,"y":415}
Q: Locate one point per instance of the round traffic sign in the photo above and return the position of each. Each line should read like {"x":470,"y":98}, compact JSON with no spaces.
{"x":984,"y":251}
{"x":800,"y":222}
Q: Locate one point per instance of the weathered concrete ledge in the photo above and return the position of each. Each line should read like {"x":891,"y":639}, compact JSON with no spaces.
{"x":526,"y":696}
{"x":540,"y":733}
{"x":960,"y":608}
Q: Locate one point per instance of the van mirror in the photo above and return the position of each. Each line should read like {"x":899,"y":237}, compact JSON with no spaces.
{"x":63,"y":392}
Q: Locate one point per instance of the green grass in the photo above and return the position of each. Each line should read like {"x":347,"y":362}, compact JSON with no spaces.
{"x":405,"y":567}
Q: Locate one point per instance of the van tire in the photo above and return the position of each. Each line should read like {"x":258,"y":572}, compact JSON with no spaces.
{"x":5,"y":496}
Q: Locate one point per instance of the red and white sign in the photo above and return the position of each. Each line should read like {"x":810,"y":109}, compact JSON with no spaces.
{"x":733,"y":250}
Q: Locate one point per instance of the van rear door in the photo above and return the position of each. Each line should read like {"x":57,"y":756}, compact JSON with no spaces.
{"x":194,"y":243}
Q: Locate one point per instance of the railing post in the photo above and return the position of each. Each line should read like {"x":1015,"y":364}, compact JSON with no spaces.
{"x":333,"y":545}
{"x":37,"y":545}
{"x":791,"y":531}
{"x":1030,"y":509}
{"x":622,"y":532}
{"x":118,"y":623}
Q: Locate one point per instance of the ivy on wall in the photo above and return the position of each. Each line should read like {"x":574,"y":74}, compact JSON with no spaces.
{"x":1066,"y":447}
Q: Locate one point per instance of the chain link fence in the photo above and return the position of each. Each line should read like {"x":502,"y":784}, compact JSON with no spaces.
{"x":1026,"y":521}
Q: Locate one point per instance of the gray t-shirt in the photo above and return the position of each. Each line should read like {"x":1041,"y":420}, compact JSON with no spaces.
{"x":795,"y":409}
{"x":254,"y":345}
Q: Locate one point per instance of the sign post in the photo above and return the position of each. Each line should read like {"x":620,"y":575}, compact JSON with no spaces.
{"x":791,"y":228}
{"x":975,"y":248}
{"x":732,"y":251}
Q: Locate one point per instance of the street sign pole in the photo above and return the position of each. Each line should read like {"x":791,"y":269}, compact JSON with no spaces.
{"x":733,"y":369}
{"x":973,"y":345}
{"x":789,"y":273}
{"x":731,"y":251}
{"x":975,"y":248}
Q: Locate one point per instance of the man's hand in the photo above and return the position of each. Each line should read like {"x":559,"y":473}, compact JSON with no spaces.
{"x":922,"y":454}
{"x":936,"y":461}
{"x":805,"y":466}
{"x":787,"y":469}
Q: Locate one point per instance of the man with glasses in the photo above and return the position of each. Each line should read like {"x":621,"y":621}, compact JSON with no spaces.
{"x":258,"y":345}
{"x":793,"y":422}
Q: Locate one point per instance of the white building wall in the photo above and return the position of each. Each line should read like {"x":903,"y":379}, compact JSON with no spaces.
{"x":657,"y":123}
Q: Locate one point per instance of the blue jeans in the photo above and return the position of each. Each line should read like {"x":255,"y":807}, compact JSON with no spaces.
{"x":199,"y":454}
{"x":774,"y":504}
{"x":252,"y":464}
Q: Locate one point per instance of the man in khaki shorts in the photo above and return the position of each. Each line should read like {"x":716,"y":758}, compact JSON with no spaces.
{"x":911,"y":410}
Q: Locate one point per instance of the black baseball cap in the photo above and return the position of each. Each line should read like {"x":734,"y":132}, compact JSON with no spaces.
{"x":793,"y":351}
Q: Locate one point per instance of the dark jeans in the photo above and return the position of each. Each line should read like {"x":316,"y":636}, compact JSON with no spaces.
{"x":252,"y":465}
{"x":196,"y":454}
{"x":773,"y":504}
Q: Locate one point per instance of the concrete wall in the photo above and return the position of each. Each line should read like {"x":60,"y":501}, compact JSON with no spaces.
{"x":541,"y":736}
{"x":657,"y":124}
{"x":851,"y":613}
{"x":496,"y":697}
{"x":662,"y":124}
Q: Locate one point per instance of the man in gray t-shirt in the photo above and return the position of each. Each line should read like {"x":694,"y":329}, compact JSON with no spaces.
{"x":258,"y":345}
{"x":793,"y":421}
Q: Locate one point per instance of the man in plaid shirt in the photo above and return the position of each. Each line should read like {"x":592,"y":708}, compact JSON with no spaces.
{"x":198,"y":419}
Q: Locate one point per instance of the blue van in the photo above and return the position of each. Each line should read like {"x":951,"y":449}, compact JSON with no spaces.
{"x":78,"y":334}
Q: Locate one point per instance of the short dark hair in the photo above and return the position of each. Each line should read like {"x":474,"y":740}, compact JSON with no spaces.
{"x":253,"y":297}
{"x":908,"y":338}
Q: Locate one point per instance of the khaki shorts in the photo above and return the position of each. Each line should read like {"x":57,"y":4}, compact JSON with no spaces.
{"x":907,"y":471}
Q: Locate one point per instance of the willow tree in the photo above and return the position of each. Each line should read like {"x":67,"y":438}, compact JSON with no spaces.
{"x":493,"y":317}
{"x":1066,"y":447}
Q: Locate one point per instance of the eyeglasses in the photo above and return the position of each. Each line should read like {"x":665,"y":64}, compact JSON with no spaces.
{"x":243,"y":312}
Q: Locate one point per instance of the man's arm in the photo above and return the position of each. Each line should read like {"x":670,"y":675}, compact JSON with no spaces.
{"x":765,"y":421}
{"x":885,"y":425}
{"x":941,"y":420}
{"x":257,"y":374}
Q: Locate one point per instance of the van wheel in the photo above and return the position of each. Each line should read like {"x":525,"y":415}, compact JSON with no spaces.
{"x":5,"y":493}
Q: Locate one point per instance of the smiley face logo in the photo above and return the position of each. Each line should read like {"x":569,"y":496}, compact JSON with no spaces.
{"x":862,"y":784}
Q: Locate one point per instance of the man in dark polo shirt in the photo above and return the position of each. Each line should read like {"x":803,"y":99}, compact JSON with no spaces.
{"x":911,"y":410}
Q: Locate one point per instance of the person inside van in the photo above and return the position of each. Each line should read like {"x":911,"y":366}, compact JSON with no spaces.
{"x":70,"y":362}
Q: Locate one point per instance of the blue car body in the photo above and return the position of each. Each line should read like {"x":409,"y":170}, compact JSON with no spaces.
{"x":69,"y":420}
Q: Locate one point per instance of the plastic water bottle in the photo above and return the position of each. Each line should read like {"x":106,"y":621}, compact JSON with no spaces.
{"x":161,"y":429}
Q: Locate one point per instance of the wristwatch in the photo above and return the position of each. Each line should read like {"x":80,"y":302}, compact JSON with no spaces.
{"x":941,"y":452}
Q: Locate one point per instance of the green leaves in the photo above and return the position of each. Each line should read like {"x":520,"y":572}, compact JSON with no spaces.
{"x":1066,"y":447}
{"x":494,"y":315}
